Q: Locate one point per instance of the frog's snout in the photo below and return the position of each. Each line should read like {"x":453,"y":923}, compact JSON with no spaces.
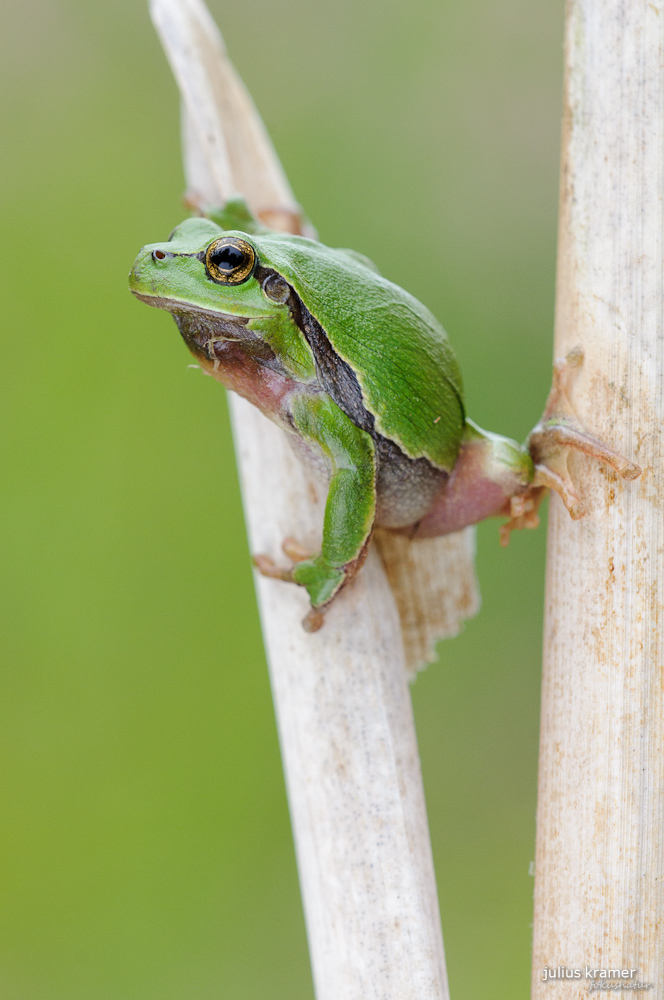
{"x":141,"y":276}
{"x":142,"y":272}
{"x":136,"y":275}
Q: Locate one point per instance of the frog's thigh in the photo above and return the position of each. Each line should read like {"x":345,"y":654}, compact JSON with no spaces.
{"x":489,"y":470}
{"x":351,"y":501}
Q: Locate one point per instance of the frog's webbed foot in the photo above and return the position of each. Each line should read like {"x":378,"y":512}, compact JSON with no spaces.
{"x":558,"y":432}
{"x":297,"y":553}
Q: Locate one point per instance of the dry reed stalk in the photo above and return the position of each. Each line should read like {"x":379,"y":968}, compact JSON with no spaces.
{"x":599,"y":889}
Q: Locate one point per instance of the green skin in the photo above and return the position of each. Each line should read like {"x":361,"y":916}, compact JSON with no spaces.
{"x":355,"y":369}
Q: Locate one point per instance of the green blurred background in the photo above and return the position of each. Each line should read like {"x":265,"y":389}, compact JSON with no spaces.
{"x":145,"y":848}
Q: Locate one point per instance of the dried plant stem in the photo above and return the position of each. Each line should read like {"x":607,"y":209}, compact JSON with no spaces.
{"x":599,"y":891}
{"x":350,"y":754}
{"x":341,"y":695}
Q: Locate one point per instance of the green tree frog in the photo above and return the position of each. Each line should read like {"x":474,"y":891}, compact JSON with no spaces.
{"x":363,"y":379}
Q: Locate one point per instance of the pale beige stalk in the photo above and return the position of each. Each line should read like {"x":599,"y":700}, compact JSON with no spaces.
{"x":341,"y":695}
{"x":599,"y":889}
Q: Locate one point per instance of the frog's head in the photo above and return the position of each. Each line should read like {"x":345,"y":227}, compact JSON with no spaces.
{"x":220,"y":292}
{"x":203,"y":268}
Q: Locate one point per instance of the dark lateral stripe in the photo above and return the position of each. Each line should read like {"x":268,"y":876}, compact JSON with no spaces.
{"x":335,"y":375}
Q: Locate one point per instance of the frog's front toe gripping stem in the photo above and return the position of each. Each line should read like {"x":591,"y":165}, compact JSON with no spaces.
{"x":314,"y":618}
{"x":297,"y":553}
{"x":550,"y":442}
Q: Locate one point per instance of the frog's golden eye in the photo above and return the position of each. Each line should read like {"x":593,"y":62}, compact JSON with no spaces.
{"x":230,"y":261}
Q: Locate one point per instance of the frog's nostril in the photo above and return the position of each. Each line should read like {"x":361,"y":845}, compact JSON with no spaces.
{"x":158,"y":254}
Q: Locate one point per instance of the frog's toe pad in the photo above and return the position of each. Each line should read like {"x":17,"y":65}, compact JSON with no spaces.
{"x":313,"y":620}
{"x":631,"y":470}
{"x":295,"y":551}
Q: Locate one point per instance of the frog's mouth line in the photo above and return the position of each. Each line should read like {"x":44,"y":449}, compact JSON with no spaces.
{"x":186,"y":308}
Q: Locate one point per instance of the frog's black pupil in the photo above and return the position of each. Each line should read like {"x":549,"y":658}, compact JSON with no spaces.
{"x":227,"y":258}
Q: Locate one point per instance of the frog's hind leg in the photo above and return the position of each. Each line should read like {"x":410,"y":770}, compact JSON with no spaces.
{"x":559,"y":432}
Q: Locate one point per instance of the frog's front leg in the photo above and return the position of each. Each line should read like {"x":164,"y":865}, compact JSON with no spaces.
{"x":350,"y":509}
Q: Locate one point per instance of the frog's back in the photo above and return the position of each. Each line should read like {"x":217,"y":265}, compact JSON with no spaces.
{"x":393,"y":344}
